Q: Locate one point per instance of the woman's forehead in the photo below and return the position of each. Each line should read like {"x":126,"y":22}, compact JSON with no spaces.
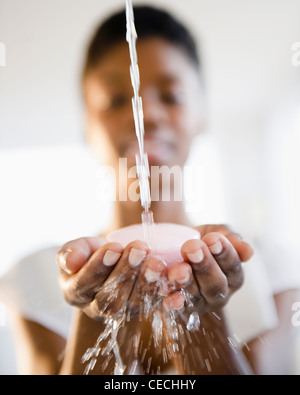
{"x":157,"y":59}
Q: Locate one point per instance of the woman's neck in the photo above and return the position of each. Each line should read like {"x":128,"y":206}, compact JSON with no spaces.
{"x":129,"y":213}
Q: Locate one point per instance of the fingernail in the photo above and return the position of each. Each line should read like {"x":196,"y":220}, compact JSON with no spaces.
{"x":174,"y":304}
{"x":179,"y":306}
{"x":111,"y":258}
{"x":136,"y":257}
{"x":196,"y":257}
{"x":62,"y":260}
{"x":152,"y":276}
{"x":216,"y":248}
{"x":185,"y":280}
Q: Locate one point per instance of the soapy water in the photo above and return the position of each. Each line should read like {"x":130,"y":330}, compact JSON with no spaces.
{"x":171,"y":331}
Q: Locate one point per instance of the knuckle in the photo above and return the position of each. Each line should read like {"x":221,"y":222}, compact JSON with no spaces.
{"x":79,"y":294}
{"x":72,"y":300}
{"x":238,"y":282}
{"x":92,"y":312}
{"x":216,"y":291}
{"x":202,"y":269}
{"x":234,"y":269}
{"x":85,"y":296}
{"x":225,"y":229}
{"x":100,"y":308}
{"x":200,"y":303}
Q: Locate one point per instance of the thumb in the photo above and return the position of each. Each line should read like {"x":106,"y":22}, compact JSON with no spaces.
{"x":74,"y":254}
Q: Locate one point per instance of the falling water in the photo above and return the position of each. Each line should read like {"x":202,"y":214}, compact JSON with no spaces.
{"x":142,"y":163}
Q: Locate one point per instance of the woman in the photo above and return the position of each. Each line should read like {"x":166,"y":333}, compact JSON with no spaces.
{"x":173,"y":102}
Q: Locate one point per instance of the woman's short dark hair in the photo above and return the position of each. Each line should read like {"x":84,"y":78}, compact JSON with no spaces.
{"x":149,"y":22}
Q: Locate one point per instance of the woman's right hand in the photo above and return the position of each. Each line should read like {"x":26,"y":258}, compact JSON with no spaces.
{"x":102,"y":278}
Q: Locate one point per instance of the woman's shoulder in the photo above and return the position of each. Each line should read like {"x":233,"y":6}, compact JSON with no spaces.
{"x":31,"y":288}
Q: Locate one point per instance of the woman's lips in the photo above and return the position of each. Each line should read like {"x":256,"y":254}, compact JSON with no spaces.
{"x":159,"y":152}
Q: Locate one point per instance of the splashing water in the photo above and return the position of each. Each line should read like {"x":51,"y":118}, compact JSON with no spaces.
{"x":169,"y":331}
{"x":112,"y":326}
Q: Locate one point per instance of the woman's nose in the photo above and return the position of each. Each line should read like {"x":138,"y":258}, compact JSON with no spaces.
{"x":154,"y":112}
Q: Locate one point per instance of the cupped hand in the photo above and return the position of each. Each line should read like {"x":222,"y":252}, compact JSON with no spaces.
{"x":103,"y":278}
{"x":214,"y":270}
{"x":99,"y":277}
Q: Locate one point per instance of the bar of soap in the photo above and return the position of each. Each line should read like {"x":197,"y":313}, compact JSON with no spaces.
{"x":166,"y":242}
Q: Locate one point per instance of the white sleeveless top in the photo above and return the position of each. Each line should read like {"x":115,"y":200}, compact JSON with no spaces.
{"x":31,"y":287}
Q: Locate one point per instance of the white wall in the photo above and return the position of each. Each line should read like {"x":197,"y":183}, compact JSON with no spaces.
{"x":252,"y":88}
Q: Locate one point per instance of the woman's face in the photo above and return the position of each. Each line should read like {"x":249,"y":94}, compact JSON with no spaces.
{"x":172,"y":103}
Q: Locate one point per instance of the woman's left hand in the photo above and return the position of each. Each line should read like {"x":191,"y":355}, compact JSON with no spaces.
{"x":211,"y":272}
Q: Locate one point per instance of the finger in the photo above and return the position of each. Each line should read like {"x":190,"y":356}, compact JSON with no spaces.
{"x":243,"y":248}
{"x":175,"y":301}
{"x":130,"y":263}
{"x":211,"y":280}
{"x":74,"y":254}
{"x":81,"y":288}
{"x":227,"y":258}
{"x":145,"y":294}
{"x":181,"y":276}
{"x":115,"y":292}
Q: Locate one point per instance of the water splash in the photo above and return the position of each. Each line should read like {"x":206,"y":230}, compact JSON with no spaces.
{"x":112,"y":326}
{"x":193,"y":322}
{"x":179,"y":338}
{"x":168,"y":334}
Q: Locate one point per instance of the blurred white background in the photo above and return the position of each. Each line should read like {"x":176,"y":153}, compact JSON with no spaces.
{"x":253,"y":90}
